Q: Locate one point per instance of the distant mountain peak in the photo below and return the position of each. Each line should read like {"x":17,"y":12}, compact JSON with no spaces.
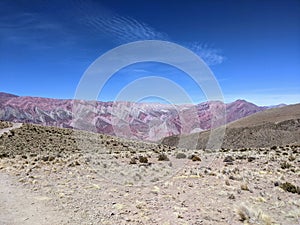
{"x":243,"y":101}
{"x":7,"y":95}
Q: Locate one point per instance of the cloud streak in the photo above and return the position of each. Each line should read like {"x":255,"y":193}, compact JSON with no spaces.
{"x":33,"y":30}
{"x":40,"y":30}
{"x":17,"y":21}
{"x":210,"y":55}
{"x":126,"y":29}
{"x":121,"y":29}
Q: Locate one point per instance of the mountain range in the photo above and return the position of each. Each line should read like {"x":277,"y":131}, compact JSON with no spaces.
{"x":142,"y":121}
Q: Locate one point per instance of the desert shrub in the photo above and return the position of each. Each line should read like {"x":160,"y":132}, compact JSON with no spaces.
{"x":132,"y":161}
{"x":5,"y":124}
{"x":228,"y":159}
{"x":163,"y":157}
{"x":195,"y":158}
{"x":285,"y":165}
{"x":180,"y":155}
{"x":224,"y":150}
{"x":240,"y":157}
{"x":4,"y":155}
{"x":143,"y":159}
{"x":251,"y":158}
{"x":73,"y":164}
{"x":231,"y":196}
{"x":247,"y":214}
{"x":244,"y":213}
{"x":290,"y":188}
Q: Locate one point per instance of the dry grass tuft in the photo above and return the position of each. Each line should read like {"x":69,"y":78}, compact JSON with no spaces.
{"x":251,"y":216}
{"x":244,"y":213}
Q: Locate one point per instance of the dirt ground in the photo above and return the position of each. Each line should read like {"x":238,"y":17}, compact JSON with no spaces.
{"x":145,"y":183}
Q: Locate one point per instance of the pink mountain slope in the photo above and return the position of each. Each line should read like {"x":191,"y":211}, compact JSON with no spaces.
{"x":143,"y":121}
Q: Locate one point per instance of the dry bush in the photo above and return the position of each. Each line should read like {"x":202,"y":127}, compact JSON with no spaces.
{"x":249,"y":215}
{"x":163,"y":157}
{"x":180,"y":155}
{"x":5,"y":124}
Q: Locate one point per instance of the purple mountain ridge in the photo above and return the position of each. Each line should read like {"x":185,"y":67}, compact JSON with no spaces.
{"x":142,"y":121}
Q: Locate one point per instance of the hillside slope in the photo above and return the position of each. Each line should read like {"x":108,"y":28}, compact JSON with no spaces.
{"x":278,"y":126}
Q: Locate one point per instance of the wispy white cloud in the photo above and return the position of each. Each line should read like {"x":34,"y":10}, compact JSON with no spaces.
{"x":120,"y":28}
{"x":126,"y":29}
{"x":209,"y":54}
{"x":35,"y":29}
{"x":17,"y":21}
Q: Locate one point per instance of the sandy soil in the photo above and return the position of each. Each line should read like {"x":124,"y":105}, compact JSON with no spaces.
{"x":21,"y":206}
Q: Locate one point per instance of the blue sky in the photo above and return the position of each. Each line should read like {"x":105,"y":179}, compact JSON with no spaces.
{"x":252,"y":47}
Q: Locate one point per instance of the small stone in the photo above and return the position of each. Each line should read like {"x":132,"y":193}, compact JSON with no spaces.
{"x":244,"y":187}
{"x":132,"y":161}
{"x":118,"y":206}
{"x":155,"y":190}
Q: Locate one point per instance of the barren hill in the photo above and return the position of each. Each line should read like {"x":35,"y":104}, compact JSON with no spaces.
{"x":277,"y":126}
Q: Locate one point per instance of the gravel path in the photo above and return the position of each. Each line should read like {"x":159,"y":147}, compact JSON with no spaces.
{"x":20,"y":206}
